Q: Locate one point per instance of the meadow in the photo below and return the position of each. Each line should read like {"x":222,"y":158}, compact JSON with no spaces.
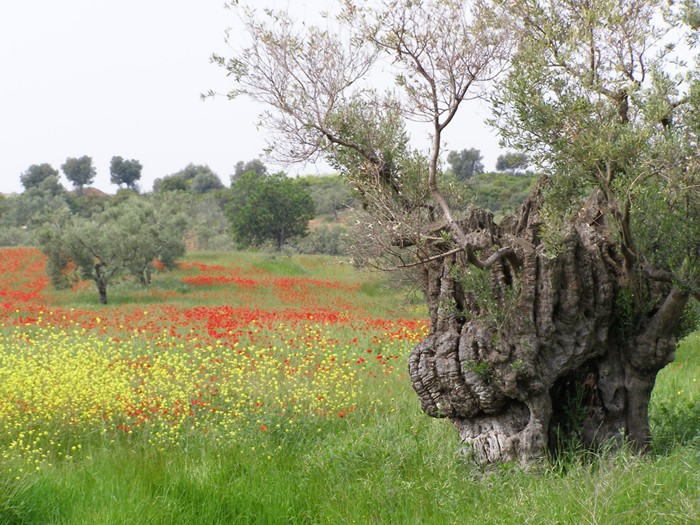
{"x":246,"y":388}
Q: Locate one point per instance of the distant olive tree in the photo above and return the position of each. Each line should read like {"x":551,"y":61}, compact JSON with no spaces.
{"x":79,"y":171}
{"x":126,"y":172}
{"x":43,"y":196}
{"x":512,"y":162}
{"x":124,"y":239}
{"x":466,"y":163}
{"x":256,"y":166}
{"x":192,"y":178}
{"x":37,"y":174}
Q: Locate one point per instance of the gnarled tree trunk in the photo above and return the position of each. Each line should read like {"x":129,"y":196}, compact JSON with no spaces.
{"x":545,"y":343}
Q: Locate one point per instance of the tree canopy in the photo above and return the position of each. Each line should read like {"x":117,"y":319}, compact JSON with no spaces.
{"x":466,"y":163}
{"x":269,"y":208}
{"x":626,"y":126}
{"x":124,"y":239}
{"x":79,"y":171}
{"x":256,"y":165}
{"x":192,"y":178}
{"x":126,"y":172}
{"x":36,"y":174}
{"x":512,"y":162}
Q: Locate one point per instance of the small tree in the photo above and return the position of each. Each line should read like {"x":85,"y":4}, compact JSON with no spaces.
{"x":205,"y":182}
{"x":79,"y":171}
{"x":512,"y":162}
{"x":37,"y":203}
{"x":36,"y":174}
{"x":330,"y":193}
{"x":255,"y":165}
{"x":193,"y":178}
{"x":170,"y":183}
{"x":126,"y":172}
{"x":269,"y":208}
{"x":466,"y":163}
{"x":123,"y":240}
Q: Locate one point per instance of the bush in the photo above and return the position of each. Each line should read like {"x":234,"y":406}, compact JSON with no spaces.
{"x":11,"y":236}
{"x":327,"y":240}
{"x":500,"y":193}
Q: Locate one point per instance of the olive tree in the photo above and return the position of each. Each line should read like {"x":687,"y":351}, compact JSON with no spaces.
{"x":198,"y":179}
{"x":37,"y":174}
{"x":466,"y":163}
{"x":512,"y":161}
{"x":126,"y":172}
{"x":555,"y":321}
{"x":122,"y":240}
{"x":79,"y":171}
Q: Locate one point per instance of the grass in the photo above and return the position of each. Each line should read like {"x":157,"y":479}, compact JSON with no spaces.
{"x":397,"y":467}
{"x":383,"y":462}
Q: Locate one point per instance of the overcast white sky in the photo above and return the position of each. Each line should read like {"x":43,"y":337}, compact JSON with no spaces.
{"x":124,"y":77}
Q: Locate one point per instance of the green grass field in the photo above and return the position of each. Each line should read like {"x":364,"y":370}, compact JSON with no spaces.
{"x":325,"y":428}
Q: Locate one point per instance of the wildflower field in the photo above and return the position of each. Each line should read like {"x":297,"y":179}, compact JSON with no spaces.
{"x":244,"y":388}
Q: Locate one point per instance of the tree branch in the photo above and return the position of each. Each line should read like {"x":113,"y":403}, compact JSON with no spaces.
{"x":491,"y":260}
{"x":425,"y":261}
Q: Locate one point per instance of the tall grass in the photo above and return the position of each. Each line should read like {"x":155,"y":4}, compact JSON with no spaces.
{"x":384,"y":463}
{"x":391,"y":466}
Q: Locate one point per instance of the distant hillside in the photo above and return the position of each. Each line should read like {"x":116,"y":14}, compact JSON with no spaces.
{"x":501,"y":193}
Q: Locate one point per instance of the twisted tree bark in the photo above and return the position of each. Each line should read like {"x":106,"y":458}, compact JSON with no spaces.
{"x":542,"y":345}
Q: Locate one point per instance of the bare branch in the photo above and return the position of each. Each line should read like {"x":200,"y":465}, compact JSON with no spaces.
{"x":491,"y":259}
{"x":422,"y":262}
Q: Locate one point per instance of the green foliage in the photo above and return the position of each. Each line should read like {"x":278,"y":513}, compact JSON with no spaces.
{"x":13,"y":236}
{"x":466,"y":163}
{"x":383,"y":165}
{"x":327,"y":240}
{"x":207,"y":224}
{"x":499,"y":193}
{"x":33,"y":207}
{"x":170,"y":183}
{"x":690,"y":320}
{"x":36,"y":174}
{"x":126,"y":172}
{"x":603,"y":106}
{"x":330,"y":193}
{"x":625,"y":313}
{"x":88,"y":204}
{"x":205,"y":182}
{"x":476,"y":284}
{"x":255,"y":165}
{"x":482,"y":369}
{"x":269,"y":208}
{"x":667,"y":220}
{"x":512,"y":162}
{"x":79,"y":171}
{"x":124,"y":239}
{"x":197,"y":179}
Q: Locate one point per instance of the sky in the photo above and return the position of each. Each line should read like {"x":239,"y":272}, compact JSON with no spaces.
{"x":124,"y":77}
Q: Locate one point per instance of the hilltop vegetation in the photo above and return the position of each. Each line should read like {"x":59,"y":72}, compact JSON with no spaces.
{"x":208,"y":203}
